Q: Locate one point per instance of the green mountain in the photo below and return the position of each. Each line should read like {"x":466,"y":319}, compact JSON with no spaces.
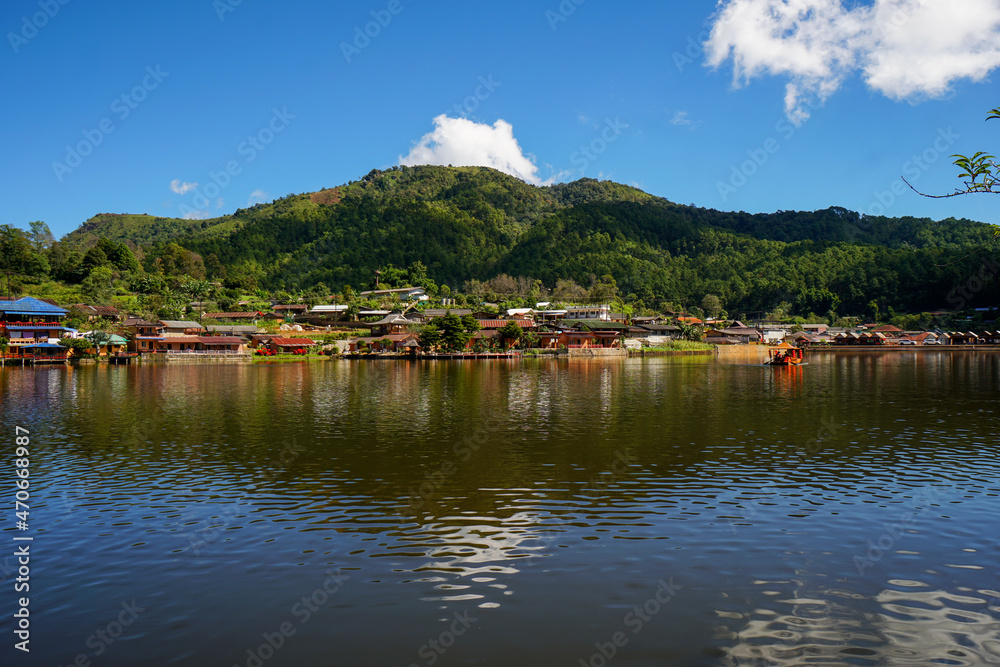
{"x":470,"y":223}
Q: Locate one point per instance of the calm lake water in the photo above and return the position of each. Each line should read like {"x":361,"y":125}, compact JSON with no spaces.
{"x":622,"y":512}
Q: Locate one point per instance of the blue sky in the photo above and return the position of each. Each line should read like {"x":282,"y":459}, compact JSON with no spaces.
{"x":197,"y":108}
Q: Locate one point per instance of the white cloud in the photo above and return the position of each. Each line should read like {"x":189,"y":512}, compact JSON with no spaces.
{"x":181,"y":188}
{"x":258,"y":197}
{"x":681,"y":118}
{"x":904,"y":49}
{"x":195,"y":214}
{"x":462,"y":142}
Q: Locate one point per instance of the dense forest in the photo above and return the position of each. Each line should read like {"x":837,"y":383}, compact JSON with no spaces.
{"x":462,"y":227}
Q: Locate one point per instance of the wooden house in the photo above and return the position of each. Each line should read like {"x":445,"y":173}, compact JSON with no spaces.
{"x":393,"y":323}
{"x":144,"y":335}
{"x":403,"y":342}
{"x":181,"y":328}
{"x":200,"y":345}
{"x":29,"y":321}
{"x":97,"y":312}
{"x":108,"y":344}
{"x":280,"y":344}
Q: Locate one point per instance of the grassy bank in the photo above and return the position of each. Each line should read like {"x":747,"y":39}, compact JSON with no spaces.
{"x":681,"y":346}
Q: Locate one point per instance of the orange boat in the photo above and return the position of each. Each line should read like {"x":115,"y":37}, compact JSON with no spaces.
{"x":784,"y":355}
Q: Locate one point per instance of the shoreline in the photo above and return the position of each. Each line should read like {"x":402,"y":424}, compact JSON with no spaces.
{"x":720,"y":352}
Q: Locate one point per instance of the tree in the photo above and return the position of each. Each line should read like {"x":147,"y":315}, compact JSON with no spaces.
{"x":511,"y":331}
{"x":197,"y":290}
{"x":94,"y":258}
{"x":429,"y":336}
{"x":691,"y":332}
{"x":100,"y":334}
{"x":17,"y":254}
{"x":980,"y":172}
{"x":711,"y":305}
{"x":603,"y":290}
{"x":529,"y":340}
{"x":213,"y":267}
{"x":568,"y":291}
{"x":117,"y":254}
{"x":873,"y":309}
{"x":454,"y":335}
{"x":79,"y":346}
{"x":99,"y":285}
{"x":317,"y":294}
{"x":470,"y":323}
{"x":65,"y":263}
{"x":173,"y":260}
{"x":40,"y":236}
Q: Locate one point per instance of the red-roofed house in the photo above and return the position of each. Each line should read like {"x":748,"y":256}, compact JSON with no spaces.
{"x":279,"y":344}
{"x":889,"y":331}
{"x":208,"y":345}
{"x":500,"y":324}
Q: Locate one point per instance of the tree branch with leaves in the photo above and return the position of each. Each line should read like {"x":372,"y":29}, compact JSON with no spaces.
{"x":980,"y":171}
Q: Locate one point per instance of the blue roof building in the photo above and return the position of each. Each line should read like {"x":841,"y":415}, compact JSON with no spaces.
{"x":28,"y":308}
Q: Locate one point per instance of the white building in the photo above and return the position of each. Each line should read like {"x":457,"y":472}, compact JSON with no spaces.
{"x":594,"y":312}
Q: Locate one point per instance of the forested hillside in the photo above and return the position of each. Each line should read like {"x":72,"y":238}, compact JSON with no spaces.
{"x":472,"y":224}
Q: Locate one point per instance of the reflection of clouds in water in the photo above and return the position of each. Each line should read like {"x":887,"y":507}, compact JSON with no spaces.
{"x":464,"y":561}
{"x":799,"y":629}
{"x":948,"y":628}
{"x":912,"y":628}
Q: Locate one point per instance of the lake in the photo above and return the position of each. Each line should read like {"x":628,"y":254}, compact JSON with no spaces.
{"x":668,"y":511}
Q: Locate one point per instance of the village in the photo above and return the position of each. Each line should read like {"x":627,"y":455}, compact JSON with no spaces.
{"x":36,"y":330}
